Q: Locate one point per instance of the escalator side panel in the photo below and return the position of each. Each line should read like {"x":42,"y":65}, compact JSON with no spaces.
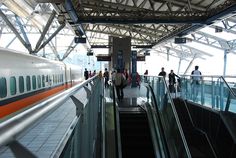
{"x":197,"y":141}
{"x":211,"y":123}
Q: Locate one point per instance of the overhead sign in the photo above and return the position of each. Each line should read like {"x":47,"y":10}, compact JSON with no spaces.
{"x":80,"y":40}
{"x":103,"y":58}
{"x":141,"y":58}
{"x":180,"y":40}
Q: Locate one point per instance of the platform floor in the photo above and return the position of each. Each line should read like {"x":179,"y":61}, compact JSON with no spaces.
{"x":44,"y":136}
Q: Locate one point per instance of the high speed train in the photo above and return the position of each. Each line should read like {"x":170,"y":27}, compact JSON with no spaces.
{"x":26,"y":79}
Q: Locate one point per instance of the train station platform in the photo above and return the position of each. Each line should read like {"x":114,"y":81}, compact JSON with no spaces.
{"x":92,"y":122}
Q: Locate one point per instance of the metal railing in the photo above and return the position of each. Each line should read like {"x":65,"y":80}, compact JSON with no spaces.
{"x":215,"y":92}
{"x":11,"y":128}
{"x":167,"y":114}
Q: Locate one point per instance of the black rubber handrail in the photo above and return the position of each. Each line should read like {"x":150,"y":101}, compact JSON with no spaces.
{"x":159,"y":118}
{"x":117,"y":143}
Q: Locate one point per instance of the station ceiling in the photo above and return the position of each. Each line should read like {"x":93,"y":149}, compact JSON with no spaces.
{"x":147,"y":22}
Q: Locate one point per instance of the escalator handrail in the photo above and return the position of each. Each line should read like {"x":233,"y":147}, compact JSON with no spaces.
{"x":175,"y":115}
{"x":158,"y":115}
{"x":116,"y":122}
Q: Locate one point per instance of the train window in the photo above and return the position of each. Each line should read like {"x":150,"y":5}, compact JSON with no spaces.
{"x":3,"y":87}
{"x":34,"y":82}
{"x":21,"y":84}
{"x":62,"y":79}
{"x":39,"y":81}
{"x":47,"y":78}
{"x":43,"y":80}
{"x":28,"y":84}
{"x":13,"y":85}
{"x":53,"y":78}
{"x":56,"y":79}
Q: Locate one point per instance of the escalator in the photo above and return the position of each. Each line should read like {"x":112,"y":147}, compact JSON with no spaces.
{"x":136,"y":140}
{"x":198,"y":142}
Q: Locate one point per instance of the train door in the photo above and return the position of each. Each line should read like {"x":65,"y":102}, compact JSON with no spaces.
{"x":68,"y":78}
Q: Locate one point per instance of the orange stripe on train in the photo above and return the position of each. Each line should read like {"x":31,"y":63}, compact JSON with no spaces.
{"x":17,"y":105}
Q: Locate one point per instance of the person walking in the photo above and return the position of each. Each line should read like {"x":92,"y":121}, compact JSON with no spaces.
{"x":119,"y":80}
{"x":106,"y":76}
{"x":172,"y":81}
{"x":145,"y":76}
{"x":196,"y":77}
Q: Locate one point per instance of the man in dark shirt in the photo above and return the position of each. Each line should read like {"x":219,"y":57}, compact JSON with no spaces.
{"x":106,"y":76}
{"x":162,"y":73}
{"x":86,"y":74}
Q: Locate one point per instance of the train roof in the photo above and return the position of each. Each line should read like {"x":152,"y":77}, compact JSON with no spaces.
{"x":11,"y":58}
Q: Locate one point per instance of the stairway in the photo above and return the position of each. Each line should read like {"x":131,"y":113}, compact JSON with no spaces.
{"x":136,"y":138}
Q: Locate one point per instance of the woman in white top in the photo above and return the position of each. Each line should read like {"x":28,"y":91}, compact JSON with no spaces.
{"x":196,"y":77}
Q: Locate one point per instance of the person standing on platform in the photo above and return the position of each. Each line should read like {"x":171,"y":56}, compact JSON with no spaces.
{"x":119,"y":80}
{"x":113,"y":75}
{"x":145,"y":76}
{"x":106,"y":76}
{"x":90,"y":74}
{"x":126,"y":74}
{"x":196,"y":77}
{"x":100,"y":74}
{"x":86,"y":75}
{"x":172,"y":81}
{"x":162,"y":73}
{"x":94,"y":73}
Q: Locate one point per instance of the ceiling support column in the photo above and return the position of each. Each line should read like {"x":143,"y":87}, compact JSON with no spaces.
{"x":180,"y":60}
{"x":190,"y":64}
{"x":226,"y":51}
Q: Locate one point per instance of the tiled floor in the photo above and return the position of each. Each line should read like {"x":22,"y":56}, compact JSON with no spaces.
{"x":44,"y":136}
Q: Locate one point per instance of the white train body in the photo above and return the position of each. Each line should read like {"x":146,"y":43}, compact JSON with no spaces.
{"x":22,"y":74}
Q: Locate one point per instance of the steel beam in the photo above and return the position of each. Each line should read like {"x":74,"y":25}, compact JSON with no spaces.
{"x":69,"y":50}
{"x":10,"y":42}
{"x":72,"y":13}
{"x":15,"y":31}
{"x":23,"y":33}
{"x":50,"y":20}
{"x":51,"y":37}
{"x":137,"y":17}
{"x":190,"y":64}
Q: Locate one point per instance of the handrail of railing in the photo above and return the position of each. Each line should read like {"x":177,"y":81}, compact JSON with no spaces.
{"x":229,"y":96}
{"x":178,"y":122}
{"x":231,"y":91}
{"x":214,"y":76}
{"x":117,"y":126}
{"x":12,"y":127}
